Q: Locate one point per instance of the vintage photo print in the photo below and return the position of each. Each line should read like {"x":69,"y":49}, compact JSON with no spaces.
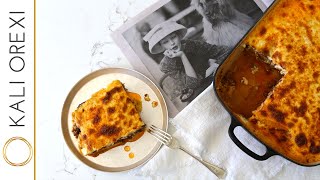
{"x":180,"y":43}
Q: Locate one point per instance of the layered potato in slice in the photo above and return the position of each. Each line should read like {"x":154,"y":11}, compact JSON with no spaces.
{"x":108,"y":119}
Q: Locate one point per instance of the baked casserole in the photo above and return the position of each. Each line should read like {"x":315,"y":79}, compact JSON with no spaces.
{"x":282,"y":109}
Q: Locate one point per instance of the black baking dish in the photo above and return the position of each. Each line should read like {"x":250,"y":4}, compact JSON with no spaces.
{"x":235,"y":122}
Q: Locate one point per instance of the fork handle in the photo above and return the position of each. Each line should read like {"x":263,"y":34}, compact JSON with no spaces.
{"x":219,"y":172}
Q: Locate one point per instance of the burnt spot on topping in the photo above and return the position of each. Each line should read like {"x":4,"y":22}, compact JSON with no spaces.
{"x":264,"y":113}
{"x":279,"y":134}
{"x":92,"y":109}
{"x":311,"y":101}
{"x":84,"y":137}
{"x":276,"y":114}
{"x":96,"y":119}
{"x":111,"y":110}
{"x":109,"y":94}
{"x":301,"y":66}
{"x":292,"y":84}
{"x":301,"y":110}
{"x":272,"y":130}
{"x":289,"y":47}
{"x":315,"y":75}
{"x":277,"y":55}
{"x":263,"y":31}
{"x":124,"y":108}
{"x":282,"y":138}
{"x":91,"y":131}
{"x":130,"y":122}
{"x":115,"y":90}
{"x":270,"y":38}
{"x":311,"y":8}
{"x":301,"y":139}
{"x":287,"y":102}
{"x":109,"y":130}
{"x":132,"y":111}
{"x":302,"y":6}
{"x":254,"y":121}
{"x":121,"y":98}
{"x":286,"y":89}
{"x":75,"y":130}
{"x":313,"y":148}
{"x":303,"y":50}
{"x":125,"y":123}
{"x":284,"y":14}
{"x":106,"y":98}
{"x":128,"y":100}
{"x":121,"y":117}
{"x":284,"y":4}
{"x":307,"y":120}
{"x":290,"y":125}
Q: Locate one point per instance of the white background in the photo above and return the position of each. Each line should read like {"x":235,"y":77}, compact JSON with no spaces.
{"x":18,"y":151}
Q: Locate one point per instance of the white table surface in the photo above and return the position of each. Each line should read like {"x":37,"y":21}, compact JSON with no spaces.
{"x":67,"y":33}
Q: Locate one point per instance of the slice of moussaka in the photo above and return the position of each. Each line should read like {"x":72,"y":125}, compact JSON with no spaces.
{"x":278,"y":100}
{"x":108,"y":119}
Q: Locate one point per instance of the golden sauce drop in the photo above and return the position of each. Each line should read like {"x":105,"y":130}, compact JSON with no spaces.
{"x":131,"y":155}
{"x":146,"y":97}
{"x":154,"y":104}
{"x":127,"y":148}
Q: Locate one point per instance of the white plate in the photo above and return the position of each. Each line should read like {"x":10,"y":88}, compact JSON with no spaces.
{"x":117,"y":159}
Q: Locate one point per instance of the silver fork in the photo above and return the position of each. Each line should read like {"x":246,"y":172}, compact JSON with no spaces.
{"x":173,"y":143}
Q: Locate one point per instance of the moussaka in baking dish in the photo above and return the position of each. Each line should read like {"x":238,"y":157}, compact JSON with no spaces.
{"x":278,"y":101}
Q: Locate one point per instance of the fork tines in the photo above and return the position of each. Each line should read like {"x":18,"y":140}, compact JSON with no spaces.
{"x":161,"y":135}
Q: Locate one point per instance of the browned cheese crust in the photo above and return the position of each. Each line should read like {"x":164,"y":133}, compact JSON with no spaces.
{"x":109,"y":118}
{"x":289,"y":119}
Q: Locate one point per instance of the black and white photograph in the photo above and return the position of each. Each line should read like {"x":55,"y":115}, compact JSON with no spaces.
{"x":181,"y":43}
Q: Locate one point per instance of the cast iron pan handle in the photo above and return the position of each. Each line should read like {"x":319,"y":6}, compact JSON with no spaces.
{"x":233,"y":125}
